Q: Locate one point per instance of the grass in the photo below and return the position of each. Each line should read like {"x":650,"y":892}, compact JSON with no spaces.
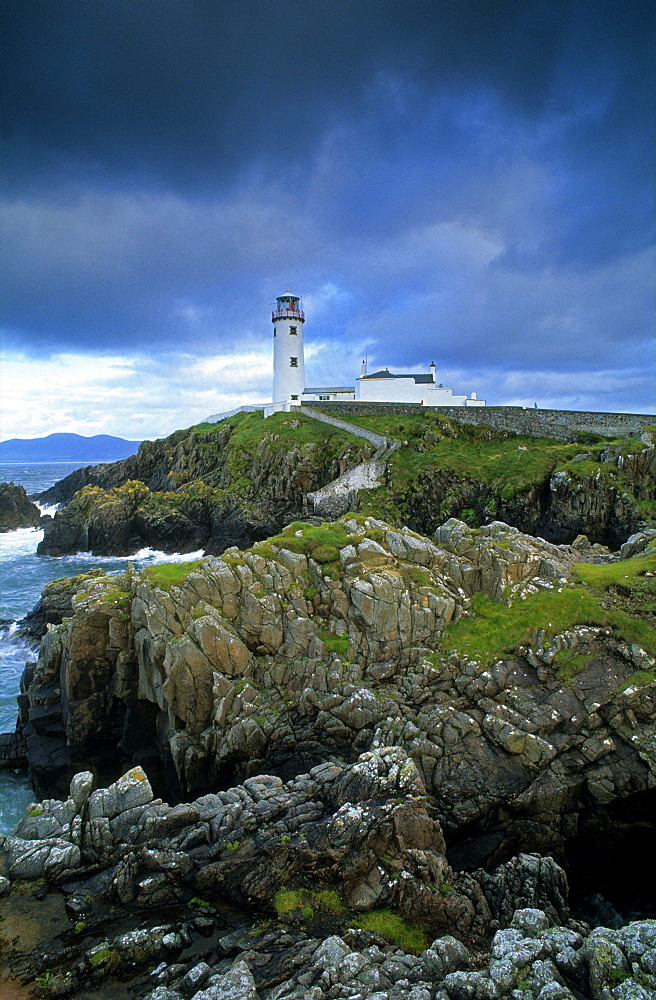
{"x":116,"y":597}
{"x":307,"y":901}
{"x":476,"y":451}
{"x":415,"y":576}
{"x":507,"y":464}
{"x":489,"y":630}
{"x":320,"y":542}
{"x":395,"y":929}
{"x":108,"y":957}
{"x":167,"y":575}
{"x":569,"y":663}
{"x":335,"y":643}
{"x":640,"y":678}
{"x":236,"y":443}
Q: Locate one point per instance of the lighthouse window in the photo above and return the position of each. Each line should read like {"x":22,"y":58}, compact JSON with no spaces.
{"x":292,"y":330}
{"x":293,"y":362}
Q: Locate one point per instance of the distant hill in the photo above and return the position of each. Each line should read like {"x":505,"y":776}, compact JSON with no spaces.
{"x":67,"y":448}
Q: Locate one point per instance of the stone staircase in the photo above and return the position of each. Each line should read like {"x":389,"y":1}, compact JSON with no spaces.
{"x":341,"y":495}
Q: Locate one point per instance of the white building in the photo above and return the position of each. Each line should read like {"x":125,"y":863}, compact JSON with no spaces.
{"x":383,"y":386}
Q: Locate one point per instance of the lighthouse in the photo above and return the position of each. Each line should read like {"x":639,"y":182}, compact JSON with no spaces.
{"x":288,"y":363}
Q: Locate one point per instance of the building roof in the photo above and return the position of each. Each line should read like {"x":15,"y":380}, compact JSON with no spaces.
{"x":388,"y":374}
{"x":331,"y":388}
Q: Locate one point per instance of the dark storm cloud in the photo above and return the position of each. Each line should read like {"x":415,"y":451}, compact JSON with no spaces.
{"x":183,"y":91}
{"x":475,"y":177}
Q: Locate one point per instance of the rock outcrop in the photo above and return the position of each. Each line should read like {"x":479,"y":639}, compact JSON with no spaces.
{"x":316,"y":715}
{"x":327,"y":642}
{"x":241,"y":480}
{"x":16,"y":510}
{"x":319,"y":853}
{"x":199,"y":489}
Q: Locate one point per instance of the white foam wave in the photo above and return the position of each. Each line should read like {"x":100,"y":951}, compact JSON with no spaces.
{"x":142,"y":557}
{"x":20,"y":542}
{"x":48,"y":508}
{"x":156,"y":556}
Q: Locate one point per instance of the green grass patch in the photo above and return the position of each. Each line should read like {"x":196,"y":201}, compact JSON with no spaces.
{"x":335,"y":643}
{"x":320,"y":542}
{"x":117,"y":597}
{"x":395,"y":929}
{"x":414,"y":576}
{"x":108,"y":957}
{"x":236,"y":443}
{"x":490,"y":630}
{"x":570,"y":663}
{"x":640,"y":678}
{"x":627,"y":573}
{"x":167,"y":575}
{"x":507,"y":463}
{"x":306,"y":902}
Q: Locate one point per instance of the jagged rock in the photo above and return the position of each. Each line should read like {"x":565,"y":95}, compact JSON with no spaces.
{"x":13,"y":750}
{"x":16,"y":511}
{"x":179,"y":494}
{"x":526,"y":883}
{"x":270,"y":660}
{"x":637,"y":543}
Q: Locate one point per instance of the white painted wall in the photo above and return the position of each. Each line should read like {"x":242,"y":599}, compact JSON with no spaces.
{"x":326,"y":395}
{"x":288,"y":381}
{"x":405,"y":390}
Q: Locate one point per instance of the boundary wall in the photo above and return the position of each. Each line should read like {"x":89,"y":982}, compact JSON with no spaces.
{"x":561,"y":425}
{"x":218,"y":417}
{"x":344,"y":425}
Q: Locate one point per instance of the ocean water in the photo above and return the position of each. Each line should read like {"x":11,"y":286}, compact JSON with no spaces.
{"x":23,"y":575}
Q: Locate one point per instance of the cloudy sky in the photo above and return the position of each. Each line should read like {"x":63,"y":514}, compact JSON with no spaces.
{"x":464,"y":181}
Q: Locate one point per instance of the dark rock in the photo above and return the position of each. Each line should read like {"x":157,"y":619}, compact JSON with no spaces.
{"x":13,"y":750}
{"x":16,"y":510}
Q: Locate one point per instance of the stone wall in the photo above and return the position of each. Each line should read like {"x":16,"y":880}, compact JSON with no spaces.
{"x":317,"y":413}
{"x":218,"y":417}
{"x":561,"y":425}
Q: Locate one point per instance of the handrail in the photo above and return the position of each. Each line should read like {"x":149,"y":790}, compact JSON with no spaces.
{"x":287,"y":314}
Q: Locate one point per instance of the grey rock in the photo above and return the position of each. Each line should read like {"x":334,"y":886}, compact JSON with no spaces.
{"x":648,"y":961}
{"x":530,"y":921}
{"x":630,"y":990}
{"x":196,"y":977}
{"x":555,"y":991}
{"x":236,"y":984}
{"x":637,"y":937}
{"x":470,"y":986}
{"x":503,"y":973}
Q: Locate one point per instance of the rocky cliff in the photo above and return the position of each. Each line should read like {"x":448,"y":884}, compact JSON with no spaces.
{"x":336,"y":639}
{"x":209,"y":487}
{"x":241,"y":480}
{"x":349,"y":721}
{"x":16,"y":510}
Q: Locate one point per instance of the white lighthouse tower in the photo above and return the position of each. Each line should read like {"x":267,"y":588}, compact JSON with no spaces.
{"x":288,"y":362}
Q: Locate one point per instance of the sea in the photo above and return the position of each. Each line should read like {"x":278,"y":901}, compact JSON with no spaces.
{"x":23,"y":575}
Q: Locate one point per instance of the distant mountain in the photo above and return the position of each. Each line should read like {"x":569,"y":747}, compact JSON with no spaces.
{"x":67,"y":448}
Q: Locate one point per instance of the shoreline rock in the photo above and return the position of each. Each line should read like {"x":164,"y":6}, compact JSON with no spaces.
{"x":272,"y":661}
{"x":16,"y":510}
{"x":115,"y":851}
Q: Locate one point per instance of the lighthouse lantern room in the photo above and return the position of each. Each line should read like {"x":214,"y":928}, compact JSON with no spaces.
{"x":288,"y":362}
